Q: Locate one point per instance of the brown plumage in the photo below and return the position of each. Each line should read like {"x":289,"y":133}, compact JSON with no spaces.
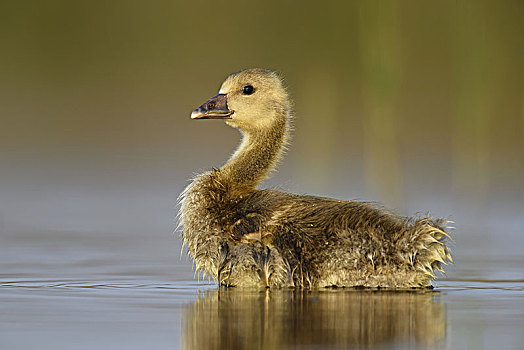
{"x":242,"y":236}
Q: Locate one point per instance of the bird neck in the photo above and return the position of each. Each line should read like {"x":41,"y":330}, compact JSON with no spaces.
{"x":256,"y":156}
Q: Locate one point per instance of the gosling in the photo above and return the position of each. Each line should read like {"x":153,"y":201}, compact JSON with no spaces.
{"x":243,"y":236}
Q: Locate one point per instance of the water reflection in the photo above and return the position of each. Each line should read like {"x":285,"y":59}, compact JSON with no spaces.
{"x":236,"y":319}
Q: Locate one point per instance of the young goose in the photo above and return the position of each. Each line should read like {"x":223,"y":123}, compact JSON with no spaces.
{"x":243,"y":236}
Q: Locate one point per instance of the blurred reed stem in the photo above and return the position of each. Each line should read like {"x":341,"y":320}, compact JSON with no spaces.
{"x":380,"y":45}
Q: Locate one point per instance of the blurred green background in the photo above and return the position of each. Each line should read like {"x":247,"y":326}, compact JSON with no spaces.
{"x":416,"y":104}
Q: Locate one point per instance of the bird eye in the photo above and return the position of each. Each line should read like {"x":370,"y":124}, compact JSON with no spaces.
{"x":248,"y":90}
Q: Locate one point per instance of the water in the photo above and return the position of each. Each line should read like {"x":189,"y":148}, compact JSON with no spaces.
{"x":65,"y":291}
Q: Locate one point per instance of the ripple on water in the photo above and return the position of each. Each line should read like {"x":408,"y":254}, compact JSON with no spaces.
{"x":475,"y":286}
{"x":446,"y":285}
{"x":182,"y":286}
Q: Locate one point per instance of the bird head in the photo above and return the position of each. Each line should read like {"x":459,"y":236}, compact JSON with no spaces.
{"x":251,"y":100}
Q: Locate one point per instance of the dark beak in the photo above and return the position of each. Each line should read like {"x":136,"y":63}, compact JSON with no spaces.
{"x":214,"y":108}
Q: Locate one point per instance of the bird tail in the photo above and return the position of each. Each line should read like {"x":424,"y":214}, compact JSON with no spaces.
{"x":425,"y":248}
